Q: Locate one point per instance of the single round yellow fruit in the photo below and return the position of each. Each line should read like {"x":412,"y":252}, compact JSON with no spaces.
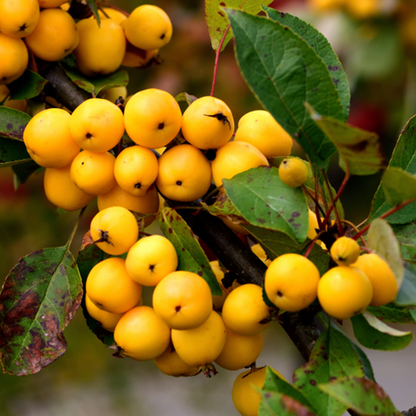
{"x":291,"y":282}
{"x":345,"y":251}
{"x":293,"y":172}
{"x":46,"y":4}
{"x":97,"y":125}
{"x":152,"y":117}
{"x":233,"y":158}
{"x":114,"y":230}
{"x":171,"y":364}
{"x":138,"y":58}
{"x":148,"y":27}
{"x":202,"y":345}
{"x":381,"y":277}
{"x":150,"y":259}
{"x":113,"y":94}
{"x":61,"y":190}
{"x":141,"y":334}
{"x":183,"y":299}
{"x":18,"y":18}
{"x":344,"y":292}
{"x":14,"y":58}
{"x":55,"y":36}
{"x":48,"y":139}
{"x":244,"y":310}
{"x":110,"y":287}
{"x":184,"y":173}
{"x":107,"y":320}
{"x":312,"y":224}
{"x":93,"y":172}
{"x":208,"y":123}
{"x":261,"y":129}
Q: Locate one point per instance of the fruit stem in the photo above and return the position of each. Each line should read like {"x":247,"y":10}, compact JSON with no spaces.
{"x":308,"y":251}
{"x":111,"y":6}
{"x":217,"y":57}
{"x":71,"y":237}
{"x":352,"y":225}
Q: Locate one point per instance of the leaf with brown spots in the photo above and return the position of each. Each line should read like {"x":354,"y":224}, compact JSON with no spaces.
{"x":38,"y":300}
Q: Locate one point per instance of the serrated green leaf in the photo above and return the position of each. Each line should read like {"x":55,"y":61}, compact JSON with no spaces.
{"x":217,"y":21}
{"x":191,"y":256}
{"x":283,"y":72}
{"x":320,"y":44}
{"x":398,"y":186}
{"x":359,"y":151}
{"x":265,"y":201}
{"x":93,"y":6}
{"x":12,"y":152}
{"x":407,"y":291}
{"x":394,"y":313}
{"x":39,"y":298}
{"x":364,"y":396}
{"x":29,"y":85}
{"x":12,"y":123}
{"x":374,"y":334}
{"x":406,"y":237}
{"x":223,"y":207}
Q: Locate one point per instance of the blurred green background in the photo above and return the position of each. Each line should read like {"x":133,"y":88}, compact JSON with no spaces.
{"x":377,"y":47}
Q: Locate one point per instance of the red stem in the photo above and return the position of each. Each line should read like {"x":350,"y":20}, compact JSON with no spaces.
{"x":217,"y":57}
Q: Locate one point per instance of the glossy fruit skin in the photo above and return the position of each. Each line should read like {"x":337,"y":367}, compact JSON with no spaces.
{"x":183,"y":299}
{"x":344,"y":292}
{"x":46,"y":4}
{"x":48,"y":139}
{"x":151,"y":259}
{"x":61,"y":190}
{"x":107,"y":320}
{"x":233,"y":158}
{"x":113,"y":94}
{"x":240,"y":350}
{"x":97,"y":125}
{"x":110,"y":287}
{"x":14,"y":57}
{"x":100,"y":50}
{"x":291,"y":282}
{"x":313,"y":224}
{"x":152,"y":117}
{"x":138,"y":58}
{"x":171,"y":364}
{"x":208,"y":123}
{"x":260,"y":129}
{"x":55,"y":36}
{"x":18,"y":17}
{"x":202,"y":345}
{"x":142,"y":334}
{"x":184,"y":173}
{"x":244,"y":310}
{"x":148,"y":27}
{"x":93,"y":172}
{"x":381,"y":277}
{"x":118,"y":227}
{"x":136,"y":169}
{"x":258,"y":250}
{"x":345,"y":251}
{"x":293,"y":172}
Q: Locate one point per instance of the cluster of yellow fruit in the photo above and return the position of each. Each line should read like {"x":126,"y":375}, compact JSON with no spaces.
{"x":50,"y":34}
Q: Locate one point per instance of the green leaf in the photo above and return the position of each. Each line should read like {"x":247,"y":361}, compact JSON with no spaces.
{"x":190,"y":254}
{"x":398,"y":186}
{"x":12,"y":123}
{"x":93,"y":6}
{"x":265,"y":201}
{"x":217,"y":21}
{"x":394,"y":313}
{"x":363,"y":396}
{"x":406,"y":237}
{"x":283,"y":72}
{"x":404,"y":157}
{"x":23,"y":171}
{"x":373,"y":333}
{"x":407,"y":291}
{"x":320,"y":44}
{"x":39,"y":298}
{"x":223,"y":207}
{"x":359,"y":151}
{"x":29,"y":85}
{"x":12,"y":152}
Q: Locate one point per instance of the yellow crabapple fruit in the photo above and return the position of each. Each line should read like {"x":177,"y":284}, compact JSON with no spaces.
{"x":208,"y":123}
{"x":148,"y":27}
{"x":200,"y":346}
{"x":171,"y":364}
{"x":258,"y":250}
{"x":107,"y":320}
{"x":141,"y":334}
{"x":93,"y":172}
{"x":150,"y":259}
{"x":55,"y":36}
{"x":18,"y":18}
{"x":46,"y":4}
{"x":183,"y":299}
{"x":381,"y":277}
{"x":261,"y":129}
{"x":138,"y":58}
{"x":100,"y":49}
{"x":244,"y":310}
{"x":48,"y":139}
{"x":312,"y":224}
{"x":61,"y":190}
{"x":152,"y":117}
{"x":136,"y":168}
{"x":14,"y":57}
{"x":233,"y":158}
{"x":240,"y":350}
{"x":114,"y":93}
{"x":344,"y":292}
{"x":218,"y":300}
{"x":293,"y":172}
{"x":345,"y":251}
{"x":184,"y":173}
{"x":324,"y":5}
{"x":291,"y":282}
{"x":97,"y":125}
{"x":110,"y":287}
{"x":114,"y":230}
{"x":110,"y":13}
